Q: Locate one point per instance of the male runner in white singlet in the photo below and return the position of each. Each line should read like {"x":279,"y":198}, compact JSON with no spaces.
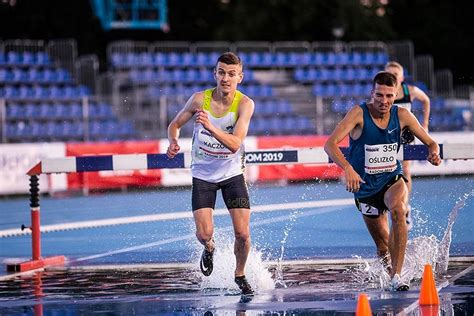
{"x":222,"y":118}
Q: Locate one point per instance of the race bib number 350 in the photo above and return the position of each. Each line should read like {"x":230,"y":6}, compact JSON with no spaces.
{"x":380,"y":158}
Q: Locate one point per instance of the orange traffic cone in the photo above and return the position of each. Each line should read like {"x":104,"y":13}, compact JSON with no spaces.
{"x":363,"y":306}
{"x":429,"y":310}
{"x":428,"y":291}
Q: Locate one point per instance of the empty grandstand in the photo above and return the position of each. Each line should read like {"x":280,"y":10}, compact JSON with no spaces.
{"x":47,"y":93}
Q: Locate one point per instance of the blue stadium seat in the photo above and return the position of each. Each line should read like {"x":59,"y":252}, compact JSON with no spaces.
{"x":317,"y":59}
{"x":22,"y":130}
{"x":213,"y":56}
{"x":267,"y":59}
{"x":338,"y":74}
{"x":34,"y":75}
{"x":36,"y":131}
{"x":174,"y":59}
{"x":323,"y":74}
{"x":14,"y":110}
{"x":2,"y":58}
{"x":191,"y":75}
{"x":283,"y":106}
{"x":55,"y":92}
{"x":10,"y":92}
{"x":19,"y":75}
{"x":255,"y":59}
{"x":381,"y":58}
{"x":46,"y":111}
{"x":313,"y":74}
{"x":125,"y":129}
{"x":159,"y":59}
{"x":282,"y":59}
{"x":145,"y":59}
{"x":75,"y":110}
{"x":11,"y":131}
{"x":117,"y":60}
{"x":49,"y":75}
{"x":349,"y":74}
{"x":13,"y":58}
{"x":82,"y":91}
{"x":275,"y":124}
{"x":362,"y":74}
{"x":63,"y":76}
{"x":25,"y":92}
{"x":50,"y":130}
{"x":177,"y":75}
{"x":32,"y":111}
{"x":27,"y":58}
{"x":188,"y":59}
{"x":304,"y":125}
{"x":42,"y":59}
{"x":329,"y":58}
{"x":355,"y":58}
{"x":342,"y":59}
{"x":294,"y":59}
{"x":299,"y":74}
{"x":131,"y":60}
{"x":4,"y":75}
{"x":289,"y":126}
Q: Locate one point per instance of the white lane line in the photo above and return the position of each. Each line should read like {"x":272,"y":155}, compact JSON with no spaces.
{"x":170,"y":216}
{"x":415,"y":305}
{"x":191,"y":236}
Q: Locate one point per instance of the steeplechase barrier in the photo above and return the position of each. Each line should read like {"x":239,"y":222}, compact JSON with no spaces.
{"x":183,"y":160}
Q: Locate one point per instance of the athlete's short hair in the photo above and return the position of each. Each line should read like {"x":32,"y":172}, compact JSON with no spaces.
{"x":393,"y":64}
{"x":229,"y":58}
{"x":385,"y":78}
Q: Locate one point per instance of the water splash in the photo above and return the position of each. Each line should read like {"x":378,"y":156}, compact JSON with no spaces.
{"x":420,"y":251}
{"x":445,"y":244}
{"x":279,"y":282}
{"x":222,"y":277}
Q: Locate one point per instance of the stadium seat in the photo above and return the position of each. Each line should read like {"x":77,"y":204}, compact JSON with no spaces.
{"x":117,"y":60}
{"x":342,"y":59}
{"x":13,"y":58}
{"x":28,"y":58}
{"x":14,"y":110}
{"x":46,"y":111}
{"x":42,"y":59}
{"x":159,"y":59}
{"x":62,"y":76}
{"x":5,"y":75}
{"x":188,"y":59}
{"x":174,"y":59}
{"x":145,"y":59}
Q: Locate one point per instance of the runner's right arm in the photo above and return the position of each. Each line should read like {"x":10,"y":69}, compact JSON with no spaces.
{"x":180,"y":119}
{"x":353,"y":119}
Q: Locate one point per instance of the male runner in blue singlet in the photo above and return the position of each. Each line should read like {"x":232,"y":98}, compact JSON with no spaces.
{"x":373,"y":172}
{"x":405,"y":97}
{"x":222,"y":118}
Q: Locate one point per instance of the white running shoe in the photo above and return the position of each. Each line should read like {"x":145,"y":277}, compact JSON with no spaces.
{"x":398,"y":285}
{"x":408,"y":218}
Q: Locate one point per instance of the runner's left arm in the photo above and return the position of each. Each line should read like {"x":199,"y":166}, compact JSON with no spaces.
{"x":231,"y":141}
{"x":407,"y":119}
{"x":418,"y":94}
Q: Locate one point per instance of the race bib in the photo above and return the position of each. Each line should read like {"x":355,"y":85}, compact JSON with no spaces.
{"x":380,"y":158}
{"x":211,"y":147}
{"x":367,"y":209}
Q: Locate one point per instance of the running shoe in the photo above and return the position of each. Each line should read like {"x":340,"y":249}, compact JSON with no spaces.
{"x":206,"y":262}
{"x":244,"y":286}
{"x":398,"y":285}
{"x":408,"y":218}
